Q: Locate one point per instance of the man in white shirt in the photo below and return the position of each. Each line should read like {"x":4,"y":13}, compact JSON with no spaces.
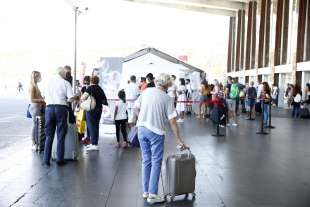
{"x":58,"y":93}
{"x":155,"y":108}
{"x":132,"y":93}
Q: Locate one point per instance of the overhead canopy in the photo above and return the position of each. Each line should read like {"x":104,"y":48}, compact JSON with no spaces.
{"x":219,"y":7}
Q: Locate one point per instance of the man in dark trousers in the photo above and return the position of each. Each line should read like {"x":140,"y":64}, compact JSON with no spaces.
{"x":59,"y":93}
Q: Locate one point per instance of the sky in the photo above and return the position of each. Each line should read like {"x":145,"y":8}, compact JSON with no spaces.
{"x":40,"y":33}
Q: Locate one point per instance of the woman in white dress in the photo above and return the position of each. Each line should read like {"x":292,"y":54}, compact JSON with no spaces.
{"x":181,"y":92}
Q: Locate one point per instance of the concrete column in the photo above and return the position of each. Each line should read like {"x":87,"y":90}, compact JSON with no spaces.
{"x":258,"y":20}
{"x":298,"y":12}
{"x":273,"y":29}
{"x":254,"y":34}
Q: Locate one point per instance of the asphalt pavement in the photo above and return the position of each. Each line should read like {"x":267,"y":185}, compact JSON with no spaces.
{"x":14,"y":126}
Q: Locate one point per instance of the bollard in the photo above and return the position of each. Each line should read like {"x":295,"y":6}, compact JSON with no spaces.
{"x":262,"y":122}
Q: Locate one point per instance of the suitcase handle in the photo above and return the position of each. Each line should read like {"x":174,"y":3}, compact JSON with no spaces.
{"x":188,"y":150}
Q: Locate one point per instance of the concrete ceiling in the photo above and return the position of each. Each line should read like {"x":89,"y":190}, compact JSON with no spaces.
{"x":219,"y":7}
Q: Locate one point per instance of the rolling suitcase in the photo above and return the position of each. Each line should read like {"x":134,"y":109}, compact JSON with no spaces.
{"x":180,"y":175}
{"x":39,"y":133}
{"x":72,"y":147}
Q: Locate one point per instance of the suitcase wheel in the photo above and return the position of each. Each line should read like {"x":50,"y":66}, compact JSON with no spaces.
{"x":170,"y":198}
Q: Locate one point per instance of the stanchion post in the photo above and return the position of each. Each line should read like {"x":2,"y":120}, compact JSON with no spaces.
{"x":218,"y":127}
{"x":262,"y":121}
{"x":269,"y":125}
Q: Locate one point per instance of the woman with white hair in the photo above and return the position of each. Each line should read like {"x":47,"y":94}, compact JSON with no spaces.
{"x":155,"y":108}
{"x":37,"y":102}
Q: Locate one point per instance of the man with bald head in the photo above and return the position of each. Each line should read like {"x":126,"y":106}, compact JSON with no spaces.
{"x":58,"y":94}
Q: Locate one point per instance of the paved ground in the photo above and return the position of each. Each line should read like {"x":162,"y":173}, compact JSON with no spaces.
{"x":14,"y":127}
{"x":241,"y":169}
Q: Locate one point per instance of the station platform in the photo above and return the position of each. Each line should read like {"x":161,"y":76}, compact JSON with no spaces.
{"x":242,"y":169}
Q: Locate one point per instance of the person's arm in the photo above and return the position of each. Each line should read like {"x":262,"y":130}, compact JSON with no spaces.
{"x":137,"y":105}
{"x":176,"y":132}
{"x":69,"y":93}
{"x":115,"y":111}
{"x":105,"y":100}
{"x":172,"y":115}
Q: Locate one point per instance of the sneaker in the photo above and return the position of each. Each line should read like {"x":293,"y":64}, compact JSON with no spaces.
{"x":92,"y":148}
{"x":153,"y":199}
{"x":222,"y":126}
{"x":145,"y":195}
{"x":234,"y":124}
{"x":180,"y":120}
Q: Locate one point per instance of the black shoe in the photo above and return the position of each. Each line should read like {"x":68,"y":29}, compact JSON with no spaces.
{"x":46,"y":164}
{"x":61,"y":163}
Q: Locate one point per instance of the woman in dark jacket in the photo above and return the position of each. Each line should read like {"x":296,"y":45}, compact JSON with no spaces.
{"x":93,"y":116}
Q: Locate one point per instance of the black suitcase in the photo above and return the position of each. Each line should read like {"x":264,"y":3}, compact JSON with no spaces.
{"x":304,"y":113}
{"x":39,"y":133}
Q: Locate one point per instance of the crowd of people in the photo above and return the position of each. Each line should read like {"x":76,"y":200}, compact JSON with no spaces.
{"x":148,"y":105}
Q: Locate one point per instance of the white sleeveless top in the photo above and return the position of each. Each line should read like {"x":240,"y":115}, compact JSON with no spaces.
{"x":121,"y":110}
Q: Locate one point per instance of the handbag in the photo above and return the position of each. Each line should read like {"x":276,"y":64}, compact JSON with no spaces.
{"x":89,"y":104}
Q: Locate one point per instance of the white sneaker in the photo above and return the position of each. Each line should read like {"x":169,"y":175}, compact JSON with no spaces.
{"x":145,"y":195}
{"x":153,"y":199}
{"x":92,"y":148}
{"x":234,"y":124}
{"x":180,"y":120}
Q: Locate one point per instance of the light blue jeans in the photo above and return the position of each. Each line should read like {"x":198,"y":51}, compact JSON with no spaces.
{"x":266,"y":113}
{"x":152,"y":148}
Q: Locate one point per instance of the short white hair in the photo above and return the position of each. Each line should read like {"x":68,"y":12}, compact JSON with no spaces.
{"x":60,"y":71}
{"x":164,"y":80}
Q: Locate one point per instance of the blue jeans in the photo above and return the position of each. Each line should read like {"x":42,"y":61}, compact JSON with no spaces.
{"x":296,"y":111}
{"x":152,"y":148}
{"x":55,"y":116}
{"x":265,"y":107}
{"x":92,"y":122}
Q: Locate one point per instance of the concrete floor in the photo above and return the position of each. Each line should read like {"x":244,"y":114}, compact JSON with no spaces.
{"x":242,"y":169}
